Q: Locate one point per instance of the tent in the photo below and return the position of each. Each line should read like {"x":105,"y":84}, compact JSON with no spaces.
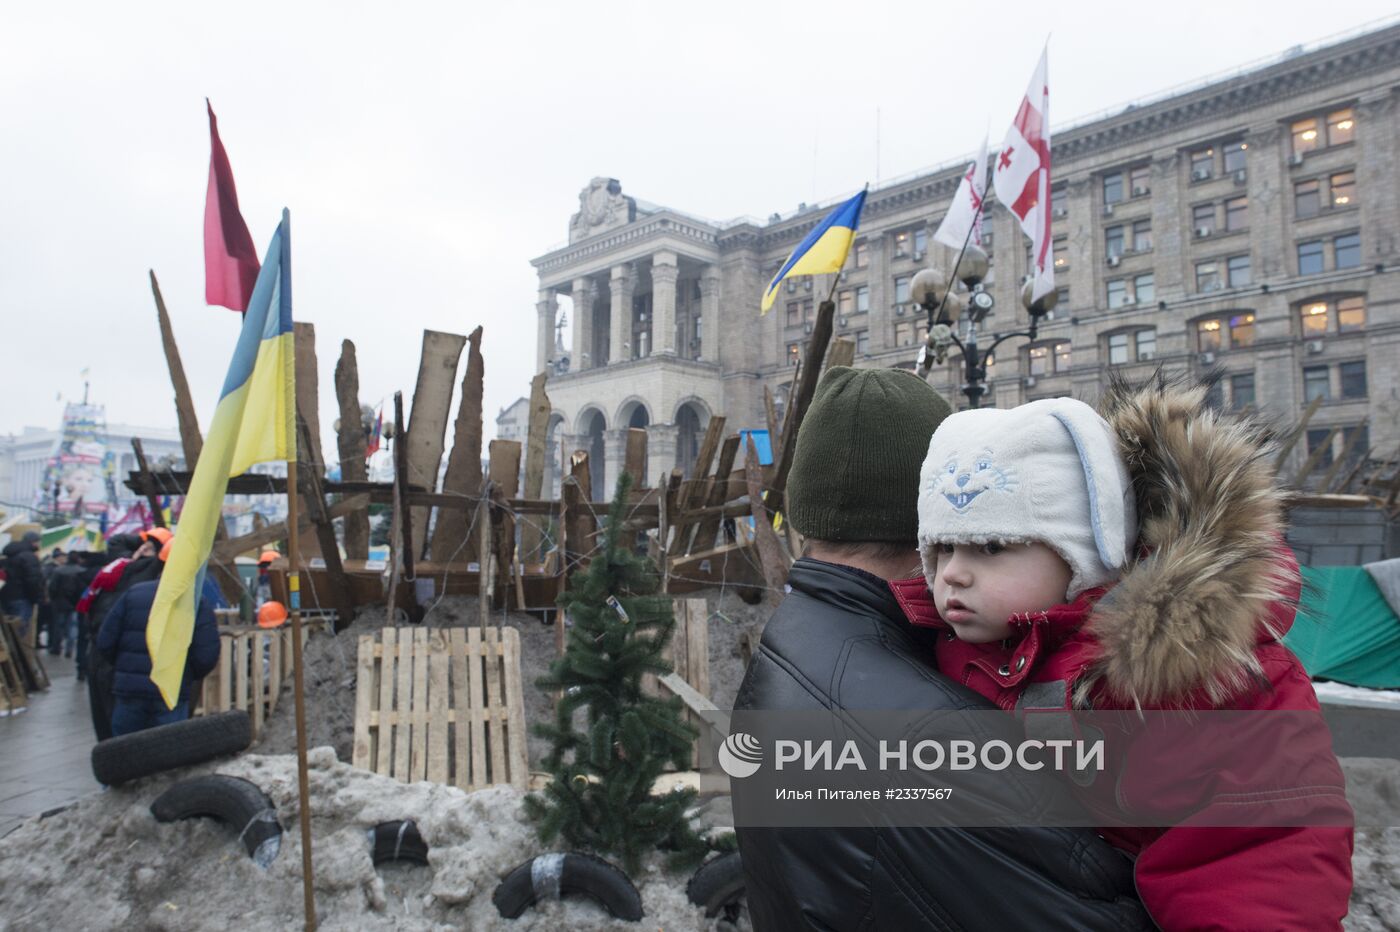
{"x":1348,"y":627}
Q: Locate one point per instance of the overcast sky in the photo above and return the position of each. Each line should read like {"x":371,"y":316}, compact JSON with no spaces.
{"x":428,"y":152}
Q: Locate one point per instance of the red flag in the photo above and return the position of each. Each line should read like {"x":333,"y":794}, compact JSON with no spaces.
{"x":230,"y":261}
{"x":1022,"y":176}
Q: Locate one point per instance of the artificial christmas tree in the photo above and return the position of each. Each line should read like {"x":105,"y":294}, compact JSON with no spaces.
{"x":600,"y":798}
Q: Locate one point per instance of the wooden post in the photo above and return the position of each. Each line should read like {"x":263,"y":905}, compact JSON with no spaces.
{"x":308,"y":481}
{"x":504,"y":471}
{"x":535,"y":450}
{"x":190,"y":438}
{"x":1331,"y":473}
{"x":401,"y":483}
{"x":770,"y":413}
{"x":634,"y":460}
{"x":1313,"y":458}
{"x":692,"y":493}
{"x":718,"y":494}
{"x":484,"y":550}
{"x":1287,"y":447}
{"x":148,"y":484}
{"x":562,"y":551}
{"x":463,"y":476}
{"x":350,"y":443}
{"x":1361,"y":461}
{"x":797,"y":406}
{"x":299,"y":693}
{"x":770,"y":552}
{"x":432,"y":401}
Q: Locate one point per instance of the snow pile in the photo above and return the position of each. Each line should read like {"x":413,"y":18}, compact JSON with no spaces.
{"x":105,"y":862}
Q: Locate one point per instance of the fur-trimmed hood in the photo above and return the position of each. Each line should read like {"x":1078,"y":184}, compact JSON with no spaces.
{"x":1212,"y":579}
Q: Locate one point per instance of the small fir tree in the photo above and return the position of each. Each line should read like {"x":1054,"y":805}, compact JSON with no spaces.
{"x":600,"y":796}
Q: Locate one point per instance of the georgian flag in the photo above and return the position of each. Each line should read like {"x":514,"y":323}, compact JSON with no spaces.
{"x":1022,"y":175}
{"x":965,"y":213}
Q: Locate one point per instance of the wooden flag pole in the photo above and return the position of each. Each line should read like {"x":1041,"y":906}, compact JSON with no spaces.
{"x":303,"y":788}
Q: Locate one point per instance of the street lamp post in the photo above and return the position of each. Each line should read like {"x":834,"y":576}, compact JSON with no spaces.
{"x":931,"y":289}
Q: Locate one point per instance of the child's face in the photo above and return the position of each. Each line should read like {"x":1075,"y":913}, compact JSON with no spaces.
{"x":978,"y":587}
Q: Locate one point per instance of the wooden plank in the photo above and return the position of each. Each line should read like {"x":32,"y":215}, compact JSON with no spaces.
{"x":495,"y":739}
{"x":692,"y":494}
{"x":770,"y":552}
{"x":577,"y":492}
{"x":240,"y":669}
{"x":148,"y":484}
{"x":308,"y":405}
{"x":275,"y":663}
{"x":361,"y":751}
{"x":427,"y":428}
{"x":697,"y":703}
{"x":504,"y":473}
{"x":460,"y":662}
{"x":350,"y":444}
{"x":1325,"y":485}
{"x":1297,"y":433}
{"x":259,"y":684}
{"x":463,"y":474}
{"x":1321,"y":450}
{"x":191,"y":440}
{"x":517,"y":754}
{"x":406,"y":551}
{"x":226,"y":550}
{"x":403,"y":707}
{"x":225,"y":700}
{"x":697,"y":631}
{"x":770,"y":414}
{"x":418,"y":759}
{"x":718,"y":494}
{"x":842,"y":353}
{"x":439,"y":659}
{"x":309,"y":486}
{"x":535,"y":449}
{"x":802,"y":398}
{"x":477,"y":687}
{"x":634,"y":458}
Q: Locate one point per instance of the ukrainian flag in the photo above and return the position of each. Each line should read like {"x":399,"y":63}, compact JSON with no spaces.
{"x":254,"y":422}
{"x":824,"y":250}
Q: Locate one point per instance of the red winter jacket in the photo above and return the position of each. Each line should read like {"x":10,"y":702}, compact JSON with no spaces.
{"x":1193,"y":624}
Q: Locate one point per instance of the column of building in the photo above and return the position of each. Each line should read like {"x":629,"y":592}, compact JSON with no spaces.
{"x":583,"y":294}
{"x":547,"y":309}
{"x":709,"y":314}
{"x":664,"y":272}
{"x":1380,"y":211}
{"x":661,"y":450}
{"x":620,"y":338}
{"x":1269,"y":222}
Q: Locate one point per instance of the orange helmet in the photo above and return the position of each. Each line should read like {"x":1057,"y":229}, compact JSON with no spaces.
{"x":160,"y":535}
{"x":165,"y":548}
{"x":271,"y":615}
{"x":268,"y":556}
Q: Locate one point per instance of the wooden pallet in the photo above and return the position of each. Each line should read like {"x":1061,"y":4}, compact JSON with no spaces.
{"x":443,"y":705}
{"x":13,"y":696}
{"x":253,"y":665}
{"x":24,"y":655}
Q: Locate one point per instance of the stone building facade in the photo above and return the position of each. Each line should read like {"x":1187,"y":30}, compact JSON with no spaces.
{"x":1247,"y":230}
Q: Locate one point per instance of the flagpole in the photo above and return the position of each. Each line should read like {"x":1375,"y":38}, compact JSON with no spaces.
{"x":294,"y":597}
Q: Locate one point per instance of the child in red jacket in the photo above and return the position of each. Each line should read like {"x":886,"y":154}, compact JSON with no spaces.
{"x":1136,"y":563}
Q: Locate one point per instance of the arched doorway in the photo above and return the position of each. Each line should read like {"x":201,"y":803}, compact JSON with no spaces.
{"x":635,"y":415}
{"x":688,"y":418}
{"x":591,"y":429}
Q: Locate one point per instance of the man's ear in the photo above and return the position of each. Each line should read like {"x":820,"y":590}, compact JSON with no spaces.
{"x":1112,"y":507}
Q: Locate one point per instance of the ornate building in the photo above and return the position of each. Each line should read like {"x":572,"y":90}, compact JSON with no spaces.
{"x":1247,"y":229}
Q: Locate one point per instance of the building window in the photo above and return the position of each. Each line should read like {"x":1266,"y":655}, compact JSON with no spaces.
{"x":862,"y":299}
{"x":809,"y":309}
{"x":862,"y":342}
{"x":1241,"y":330}
{"x":1356,"y":442}
{"x":1235,"y":157}
{"x":1351,"y":314}
{"x":1208,"y":276}
{"x":1341,"y":188}
{"x":1203,"y":219}
{"x":1202,"y":164}
{"x":1061,"y":246}
{"x":1208,"y":336}
{"x":1242,"y":391}
{"x":1063,"y":356}
{"x":1113,"y":241}
{"x":1310,"y":257}
{"x":1125,"y":347}
{"x":1142,"y":236}
{"x":904,"y":333}
{"x":1346,"y":251}
{"x":920,"y":242}
{"x":794,"y":353}
{"x":1117,"y":292}
{"x":1118,"y":348}
{"x":862,"y":254}
{"x":1320,"y":437}
{"x":1049,"y":358}
{"x":1140,"y":180}
{"x":901,"y":289}
{"x":1215,"y":395}
{"x":1236,"y":214}
{"x":1039,"y":360}
{"x":1305,"y":136}
{"x":1314,"y":319}
{"x":901,"y":244}
{"x":1237,"y":271}
{"x":1341,"y":127}
{"x":1146,"y":344}
{"x":1144,"y":290}
{"x":794,"y":313}
{"x":1113,"y":187}
{"x":846,"y":302}
{"x":1307,"y":199}
{"x":1061,"y":301}
{"x":791,"y":286}
{"x":1316,"y":384}
{"x":1353,"y":379}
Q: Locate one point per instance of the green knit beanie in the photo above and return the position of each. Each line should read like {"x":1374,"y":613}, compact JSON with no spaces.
{"x":855,"y":472}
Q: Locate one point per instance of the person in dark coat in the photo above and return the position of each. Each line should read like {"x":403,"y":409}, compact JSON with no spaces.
{"x":840,"y":643}
{"x":122,"y":640}
{"x":24,"y":580}
{"x":65,"y":589}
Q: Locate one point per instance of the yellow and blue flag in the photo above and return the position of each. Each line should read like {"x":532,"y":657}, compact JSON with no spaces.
{"x":254,"y":422}
{"x":823,"y":250}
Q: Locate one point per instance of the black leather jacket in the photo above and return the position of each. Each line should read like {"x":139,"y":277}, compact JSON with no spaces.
{"x":840,"y":641}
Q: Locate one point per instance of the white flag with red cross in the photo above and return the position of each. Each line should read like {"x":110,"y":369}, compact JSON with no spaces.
{"x":965,"y":213}
{"x":1022,"y":175}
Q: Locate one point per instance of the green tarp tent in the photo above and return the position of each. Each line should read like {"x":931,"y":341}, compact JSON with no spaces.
{"x":1347,"y":630}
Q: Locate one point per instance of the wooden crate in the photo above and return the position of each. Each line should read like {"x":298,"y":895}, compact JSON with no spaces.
{"x":253,"y":665}
{"x":443,"y":705}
